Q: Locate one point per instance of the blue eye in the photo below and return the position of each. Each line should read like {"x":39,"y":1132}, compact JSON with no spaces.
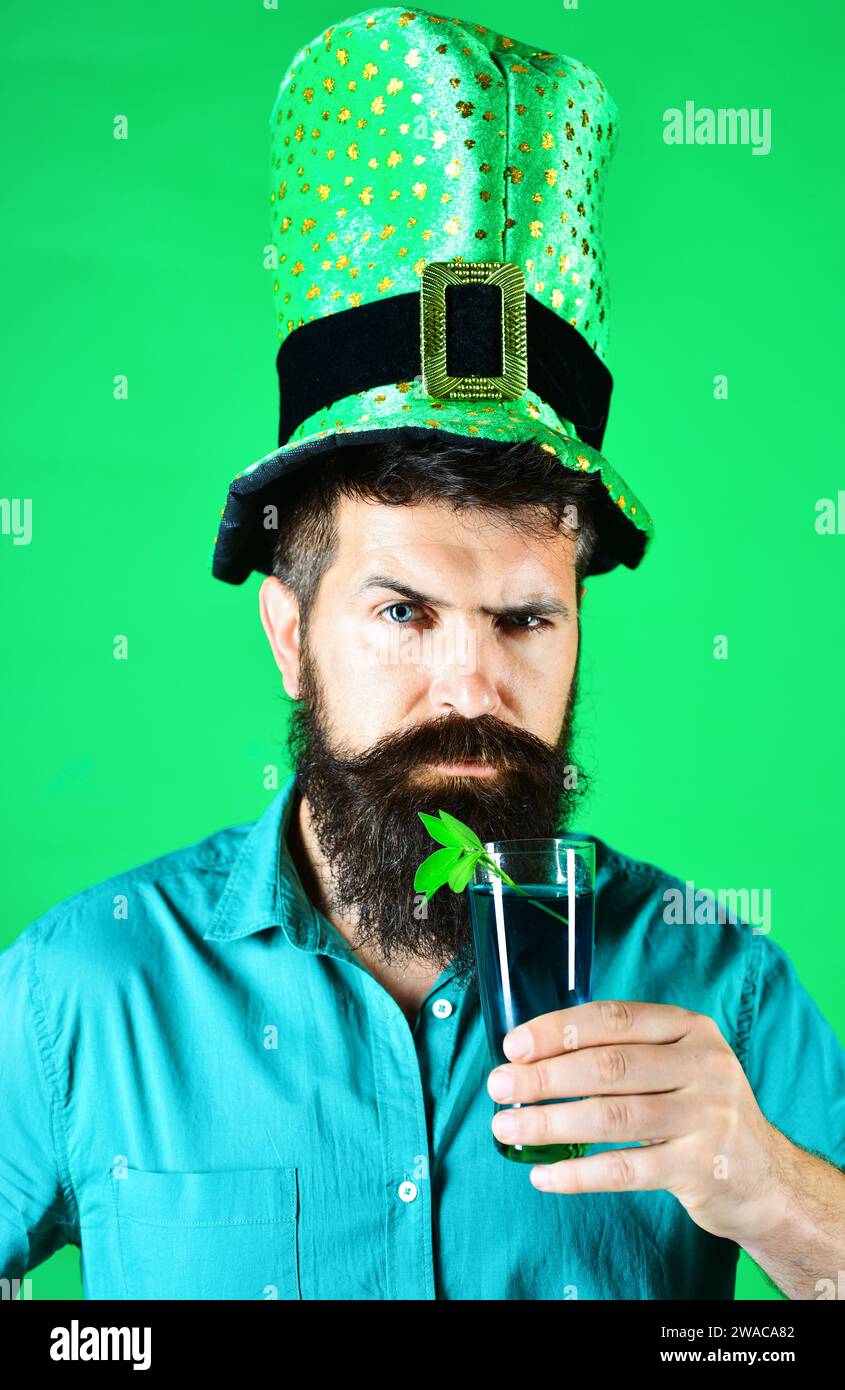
{"x":409,"y":610}
{"x":527,"y":622}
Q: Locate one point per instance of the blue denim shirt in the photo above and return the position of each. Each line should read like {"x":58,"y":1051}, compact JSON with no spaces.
{"x":202,"y":1088}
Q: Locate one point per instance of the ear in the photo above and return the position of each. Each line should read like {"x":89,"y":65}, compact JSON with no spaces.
{"x":279,"y":610}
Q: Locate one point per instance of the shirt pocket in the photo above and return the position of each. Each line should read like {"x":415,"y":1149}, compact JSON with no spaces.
{"x":231,"y":1234}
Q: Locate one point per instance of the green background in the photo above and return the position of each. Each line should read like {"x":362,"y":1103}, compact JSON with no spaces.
{"x":144,"y":257}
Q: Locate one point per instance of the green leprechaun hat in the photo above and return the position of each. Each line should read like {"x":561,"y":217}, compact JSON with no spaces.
{"x":436,"y":201}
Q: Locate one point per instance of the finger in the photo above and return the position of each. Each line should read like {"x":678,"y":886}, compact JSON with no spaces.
{"x":596,"y":1120}
{"x":601,"y":1021}
{"x":616,"y":1170}
{"x":593,"y":1071}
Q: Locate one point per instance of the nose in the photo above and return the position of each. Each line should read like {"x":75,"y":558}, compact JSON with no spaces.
{"x":466,"y":695}
{"x":463,"y":682}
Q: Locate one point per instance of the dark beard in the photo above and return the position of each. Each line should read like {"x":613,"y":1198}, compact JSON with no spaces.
{"x":364,"y":815}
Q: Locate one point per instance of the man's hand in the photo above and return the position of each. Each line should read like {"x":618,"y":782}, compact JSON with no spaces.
{"x":659,"y":1076}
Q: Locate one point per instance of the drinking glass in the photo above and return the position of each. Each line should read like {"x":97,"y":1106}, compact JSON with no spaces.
{"x":530,"y":961}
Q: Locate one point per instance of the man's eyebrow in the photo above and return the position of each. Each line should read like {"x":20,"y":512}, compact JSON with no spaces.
{"x":542,"y":607}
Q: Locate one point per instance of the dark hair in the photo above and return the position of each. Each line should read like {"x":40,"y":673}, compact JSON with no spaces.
{"x":519,"y":480}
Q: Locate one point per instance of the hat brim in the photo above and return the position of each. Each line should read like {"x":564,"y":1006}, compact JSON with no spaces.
{"x":383,"y":414}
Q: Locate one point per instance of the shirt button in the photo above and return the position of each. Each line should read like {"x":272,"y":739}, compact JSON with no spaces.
{"x":407,"y":1191}
{"x":441,"y":1008}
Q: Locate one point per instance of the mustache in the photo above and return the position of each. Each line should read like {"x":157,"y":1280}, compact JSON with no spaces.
{"x":451,"y":738}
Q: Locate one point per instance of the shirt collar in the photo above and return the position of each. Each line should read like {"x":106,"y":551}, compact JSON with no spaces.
{"x":264,"y":888}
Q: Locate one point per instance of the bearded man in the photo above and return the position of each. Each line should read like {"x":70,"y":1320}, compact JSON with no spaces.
{"x":270,"y":1078}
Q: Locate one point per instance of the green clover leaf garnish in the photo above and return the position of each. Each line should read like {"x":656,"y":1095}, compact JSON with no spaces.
{"x":435,"y":870}
{"x":455,"y":862}
{"x":449,"y":830}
